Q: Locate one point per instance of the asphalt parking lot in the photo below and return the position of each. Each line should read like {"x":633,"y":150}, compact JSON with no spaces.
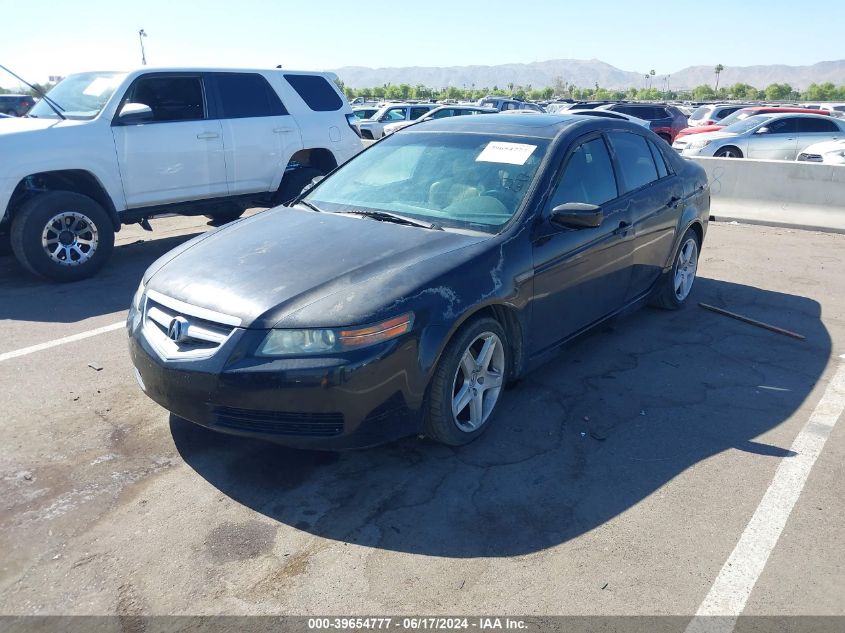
{"x":617,"y":479}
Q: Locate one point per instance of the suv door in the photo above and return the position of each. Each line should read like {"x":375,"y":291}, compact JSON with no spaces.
{"x":178,"y":154}
{"x":580,"y":275}
{"x":258,"y":133}
{"x":811,"y":130}
{"x":779,"y":141}
{"x":653,"y":194}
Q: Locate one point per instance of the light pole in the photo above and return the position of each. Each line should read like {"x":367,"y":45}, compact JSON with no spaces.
{"x":141,"y":35}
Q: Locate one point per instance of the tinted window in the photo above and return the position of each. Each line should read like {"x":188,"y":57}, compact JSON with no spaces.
{"x":394,"y":114}
{"x":634,"y":159}
{"x":650,"y":113}
{"x":316,"y":92}
{"x":416,"y":113}
{"x":658,"y":160}
{"x":701,"y":112}
{"x":816,"y":125}
{"x":171,"y":98}
{"x":721,"y":113}
{"x":442,"y":114}
{"x":246,"y":95}
{"x":782,"y":126}
{"x":588,"y":176}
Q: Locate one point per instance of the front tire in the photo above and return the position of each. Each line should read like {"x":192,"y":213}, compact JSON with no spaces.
{"x":728,"y":152}
{"x":674,"y":287}
{"x":62,"y":235}
{"x":468,"y":383}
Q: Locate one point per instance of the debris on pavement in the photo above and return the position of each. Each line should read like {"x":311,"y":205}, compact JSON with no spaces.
{"x":745,"y":319}
{"x":95,"y":366}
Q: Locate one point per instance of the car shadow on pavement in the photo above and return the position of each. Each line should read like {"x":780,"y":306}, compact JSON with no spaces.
{"x":582,"y":439}
{"x":25,"y":297}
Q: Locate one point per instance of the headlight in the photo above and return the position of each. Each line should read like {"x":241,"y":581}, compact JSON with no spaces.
{"x":139,"y":296}
{"x":328,"y":340}
{"x":698,"y":144}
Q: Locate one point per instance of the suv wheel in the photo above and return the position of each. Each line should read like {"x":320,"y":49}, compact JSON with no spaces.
{"x":294,"y":182}
{"x":62,"y":235}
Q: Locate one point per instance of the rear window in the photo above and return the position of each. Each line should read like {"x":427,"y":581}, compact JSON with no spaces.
{"x":244,"y":95}
{"x":700,"y":113}
{"x":316,"y":92}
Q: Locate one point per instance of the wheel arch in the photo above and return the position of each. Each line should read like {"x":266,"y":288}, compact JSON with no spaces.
{"x":316,"y":157}
{"x":75,"y":180}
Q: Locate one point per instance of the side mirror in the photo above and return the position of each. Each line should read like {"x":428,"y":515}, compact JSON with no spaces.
{"x":762,"y":130}
{"x":132,"y":113}
{"x":577,"y":215}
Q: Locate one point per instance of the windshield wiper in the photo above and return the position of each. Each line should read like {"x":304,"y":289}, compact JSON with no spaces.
{"x":53,"y":105}
{"x":311,"y":206}
{"x":384,"y":216}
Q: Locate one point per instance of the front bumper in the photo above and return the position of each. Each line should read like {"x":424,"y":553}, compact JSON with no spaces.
{"x":355,"y":400}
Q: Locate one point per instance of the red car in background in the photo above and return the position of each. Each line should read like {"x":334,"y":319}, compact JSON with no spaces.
{"x":739,"y":115}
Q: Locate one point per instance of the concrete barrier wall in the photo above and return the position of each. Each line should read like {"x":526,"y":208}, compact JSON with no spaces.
{"x":779,"y":193}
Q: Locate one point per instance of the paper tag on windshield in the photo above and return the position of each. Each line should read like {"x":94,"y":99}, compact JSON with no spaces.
{"x":510,"y":153}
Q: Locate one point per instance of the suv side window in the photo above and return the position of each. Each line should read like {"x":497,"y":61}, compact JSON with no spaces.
{"x":634,"y":158}
{"x":316,"y":92}
{"x":808,"y":126}
{"x":394,"y":114}
{"x":171,"y":98}
{"x":416,"y":113}
{"x":243,"y":95}
{"x":588,"y":176}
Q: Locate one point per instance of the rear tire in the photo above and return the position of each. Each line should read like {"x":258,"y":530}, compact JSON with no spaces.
{"x":728,"y":152}
{"x":468,"y":383}
{"x":294,"y":182}
{"x":62,"y":235}
{"x":674,"y":288}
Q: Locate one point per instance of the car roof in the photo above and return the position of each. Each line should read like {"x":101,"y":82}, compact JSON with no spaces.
{"x":540,"y":125}
{"x":800,"y":115}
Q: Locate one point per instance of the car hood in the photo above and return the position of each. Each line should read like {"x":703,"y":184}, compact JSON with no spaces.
{"x":714,"y":136}
{"x":268,"y":266}
{"x":17,"y":125}
{"x":701,"y":129}
{"x":825,"y":147}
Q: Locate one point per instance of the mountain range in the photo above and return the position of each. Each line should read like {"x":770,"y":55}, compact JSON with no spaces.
{"x":586,"y":73}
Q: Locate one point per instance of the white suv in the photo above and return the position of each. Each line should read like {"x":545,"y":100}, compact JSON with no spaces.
{"x":373,"y":128}
{"x":107,"y":148}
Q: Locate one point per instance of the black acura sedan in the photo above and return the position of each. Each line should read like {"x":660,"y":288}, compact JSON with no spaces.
{"x":403,"y":292}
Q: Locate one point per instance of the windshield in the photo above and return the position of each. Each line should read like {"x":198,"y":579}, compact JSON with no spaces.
{"x":470,"y":181}
{"x":739,"y":115}
{"x":701,"y":112}
{"x":79,"y":96}
{"x":747,"y":124}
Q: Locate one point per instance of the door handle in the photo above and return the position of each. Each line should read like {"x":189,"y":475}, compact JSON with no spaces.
{"x":673,"y":201}
{"x":205,"y":135}
{"x":282,"y":130}
{"x":623,"y":228}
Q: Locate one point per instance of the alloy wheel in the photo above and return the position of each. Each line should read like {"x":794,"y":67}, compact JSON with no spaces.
{"x":478,"y":382}
{"x":70,"y":238}
{"x":685,"y":268}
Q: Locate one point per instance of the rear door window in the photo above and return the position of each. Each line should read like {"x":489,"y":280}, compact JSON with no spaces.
{"x":809,"y":126}
{"x":783,"y":126}
{"x":634,"y":159}
{"x":244,"y":95}
{"x":416,"y":113}
{"x":662,"y":172}
{"x":316,"y":92}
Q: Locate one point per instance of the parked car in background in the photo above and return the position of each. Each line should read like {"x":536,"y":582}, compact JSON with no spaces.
{"x":828,"y":152}
{"x":608,"y":114}
{"x":373,"y":128}
{"x":473,"y":248}
{"x":764,"y":136}
{"x":665,"y":120}
{"x":364,"y":112}
{"x":16,"y":105}
{"x":712,"y":113}
{"x":121,"y":148}
{"x":440,"y":113}
{"x":744,"y":113}
{"x":503,"y":104}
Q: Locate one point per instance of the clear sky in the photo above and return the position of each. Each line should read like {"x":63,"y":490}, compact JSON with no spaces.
{"x":57,"y":38}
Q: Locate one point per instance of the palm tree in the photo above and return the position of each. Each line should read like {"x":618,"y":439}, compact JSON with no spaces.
{"x":718,"y":70}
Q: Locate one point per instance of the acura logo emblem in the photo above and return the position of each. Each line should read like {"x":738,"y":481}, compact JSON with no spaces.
{"x":178,"y":329}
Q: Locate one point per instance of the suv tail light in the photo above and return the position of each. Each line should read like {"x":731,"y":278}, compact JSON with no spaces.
{"x":350,"y":119}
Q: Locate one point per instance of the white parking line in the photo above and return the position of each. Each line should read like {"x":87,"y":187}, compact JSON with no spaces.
{"x":733,"y":585}
{"x":61,"y":341}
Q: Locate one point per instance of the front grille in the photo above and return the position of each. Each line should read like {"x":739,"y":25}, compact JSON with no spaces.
{"x":812,"y":158}
{"x":281,"y":422}
{"x":202,"y":331}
